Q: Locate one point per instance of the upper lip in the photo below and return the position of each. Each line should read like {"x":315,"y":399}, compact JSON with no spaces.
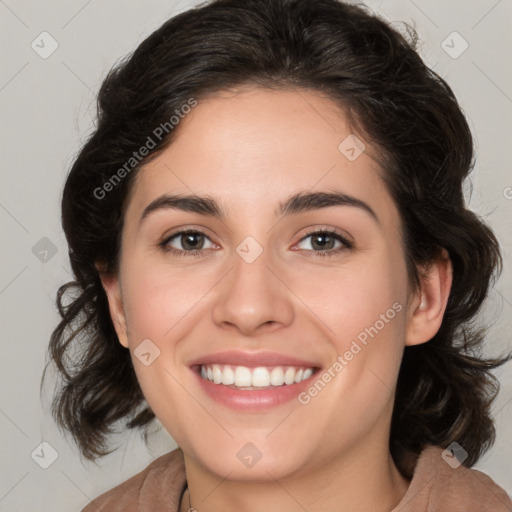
{"x":252,"y":359}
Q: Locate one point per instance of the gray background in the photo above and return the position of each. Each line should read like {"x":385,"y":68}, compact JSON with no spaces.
{"x":47,"y":107}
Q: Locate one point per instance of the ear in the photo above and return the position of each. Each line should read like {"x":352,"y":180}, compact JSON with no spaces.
{"x":427,"y":307}
{"x":112,"y":288}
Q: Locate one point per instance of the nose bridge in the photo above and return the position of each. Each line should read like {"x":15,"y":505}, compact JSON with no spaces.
{"x":251,"y":295}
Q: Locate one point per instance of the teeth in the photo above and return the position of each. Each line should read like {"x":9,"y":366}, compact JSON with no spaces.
{"x":228,"y":376}
{"x":307,"y":373}
{"x":242,"y":376}
{"x":277,"y":376}
{"x":289,"y":376}
{"x":217,"y":374}
{"x":260,"y":377}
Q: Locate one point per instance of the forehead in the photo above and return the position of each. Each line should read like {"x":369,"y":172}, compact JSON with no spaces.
{"x":254,"y":148}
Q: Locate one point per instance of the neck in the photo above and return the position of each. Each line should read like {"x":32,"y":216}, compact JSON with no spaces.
{"x":343,"y":484}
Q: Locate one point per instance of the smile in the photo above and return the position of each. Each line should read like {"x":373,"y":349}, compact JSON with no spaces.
{"x":253,"y":382}
{"x":246,"y":378}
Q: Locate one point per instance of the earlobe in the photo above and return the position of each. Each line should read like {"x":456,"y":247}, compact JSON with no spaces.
{"x":428,"y":306}
{"x":111,"y":285}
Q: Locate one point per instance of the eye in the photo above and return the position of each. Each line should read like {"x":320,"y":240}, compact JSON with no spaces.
{"x":191,"y":242}
{"x":323,"y":242}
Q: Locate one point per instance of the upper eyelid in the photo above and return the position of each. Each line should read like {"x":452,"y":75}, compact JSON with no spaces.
{"x":180,"y":231}
{"x":177,"y":234}
{"x":338,"y":232}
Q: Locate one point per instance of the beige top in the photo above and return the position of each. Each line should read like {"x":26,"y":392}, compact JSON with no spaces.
{"x":435,"y":487}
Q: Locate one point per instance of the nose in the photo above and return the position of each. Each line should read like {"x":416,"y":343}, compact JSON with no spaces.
{"x":253,"y":298}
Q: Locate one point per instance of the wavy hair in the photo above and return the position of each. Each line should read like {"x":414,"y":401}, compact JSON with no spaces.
{"x":403,"y":108}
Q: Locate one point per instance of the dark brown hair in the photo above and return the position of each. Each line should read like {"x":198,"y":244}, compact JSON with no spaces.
{"x":399,"y":105}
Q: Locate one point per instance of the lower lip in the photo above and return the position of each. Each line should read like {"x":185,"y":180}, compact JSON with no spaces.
{"x":253,"y":400}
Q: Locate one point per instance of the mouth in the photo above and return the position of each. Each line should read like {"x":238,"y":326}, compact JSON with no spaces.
{"x":261,"y":377}
{"x":253,"y":382}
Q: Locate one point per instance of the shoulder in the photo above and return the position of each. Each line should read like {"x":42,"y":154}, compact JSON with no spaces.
{"x":440,"y":483}
{"x":157,"y":487}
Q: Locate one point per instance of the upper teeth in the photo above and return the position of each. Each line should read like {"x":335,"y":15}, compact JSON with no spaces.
{"x":260,"y":377}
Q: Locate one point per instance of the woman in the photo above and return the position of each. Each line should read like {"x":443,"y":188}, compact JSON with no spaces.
{"x":273,"y":258}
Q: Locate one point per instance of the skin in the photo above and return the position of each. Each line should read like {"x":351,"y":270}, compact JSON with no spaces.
{"x":249,"y":150}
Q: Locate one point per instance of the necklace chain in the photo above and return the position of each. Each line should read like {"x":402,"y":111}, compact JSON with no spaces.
{"x":190,"y":507}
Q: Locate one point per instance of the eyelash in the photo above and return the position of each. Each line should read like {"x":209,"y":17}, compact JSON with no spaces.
{"x":198,"y":253}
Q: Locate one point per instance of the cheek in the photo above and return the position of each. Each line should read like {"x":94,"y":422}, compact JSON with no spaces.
{"x":352,"y":299}
{"x":362,"y":312}
{"x":161,"y":301}
{"x":160,"y":305}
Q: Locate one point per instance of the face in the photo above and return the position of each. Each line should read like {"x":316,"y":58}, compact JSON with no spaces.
{"x":298,"y":311}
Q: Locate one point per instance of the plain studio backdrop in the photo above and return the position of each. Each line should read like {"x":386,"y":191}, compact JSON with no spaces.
{"x":47,"y":97}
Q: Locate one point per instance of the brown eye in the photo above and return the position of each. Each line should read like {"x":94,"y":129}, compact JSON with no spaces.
{"x":188,"y":241}
{"x":324,"y":242}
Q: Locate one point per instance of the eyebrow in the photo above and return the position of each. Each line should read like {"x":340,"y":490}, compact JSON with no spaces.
{"x":300,"y":202}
